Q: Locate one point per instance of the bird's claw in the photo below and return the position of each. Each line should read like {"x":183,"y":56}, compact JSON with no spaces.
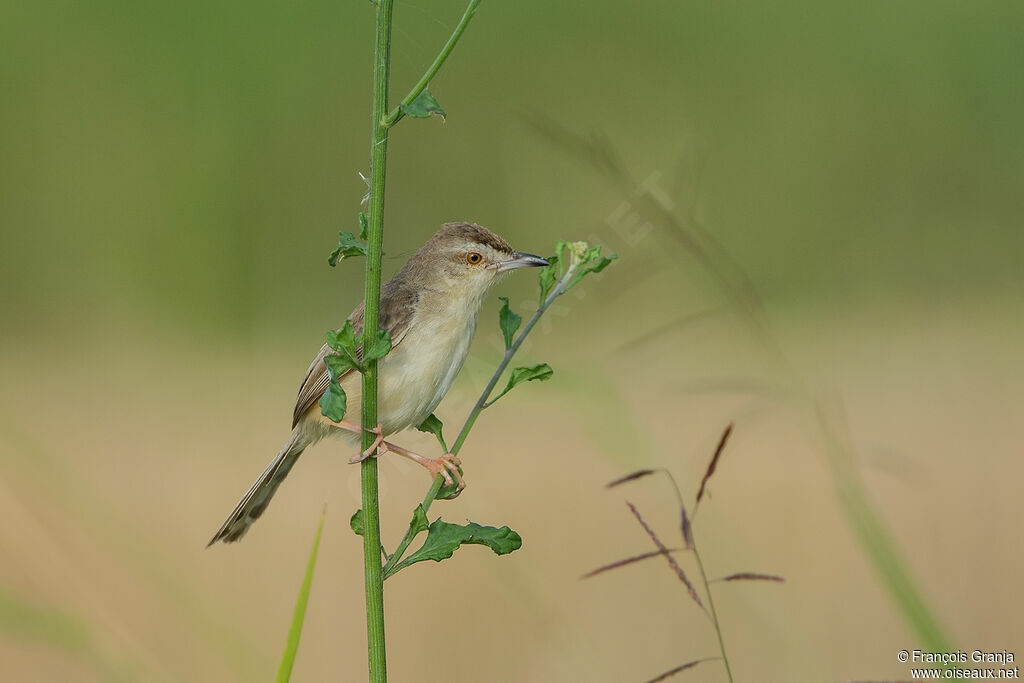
{"x":378,"y":443}
{"x":448,"y":467}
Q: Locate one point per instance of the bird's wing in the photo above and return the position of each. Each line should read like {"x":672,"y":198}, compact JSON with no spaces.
{"x":396,"y":312}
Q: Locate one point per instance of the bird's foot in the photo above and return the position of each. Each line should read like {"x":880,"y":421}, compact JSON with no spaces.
{"x":377,"y":443}
{"x":447,"y":465}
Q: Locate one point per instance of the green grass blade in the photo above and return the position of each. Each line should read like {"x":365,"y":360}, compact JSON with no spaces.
{"x":291,"y":648}
{"x":874,"y":536}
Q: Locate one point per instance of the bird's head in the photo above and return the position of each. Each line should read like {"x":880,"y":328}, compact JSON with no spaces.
{"x":467,"y":259}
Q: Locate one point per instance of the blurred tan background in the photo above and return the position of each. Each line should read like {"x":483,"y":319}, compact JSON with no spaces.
{"x":172,"y":178}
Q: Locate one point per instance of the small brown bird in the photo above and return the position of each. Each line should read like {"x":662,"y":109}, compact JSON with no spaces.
{"x":430,"y":309}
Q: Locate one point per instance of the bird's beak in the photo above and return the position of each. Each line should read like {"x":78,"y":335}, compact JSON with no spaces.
{"x":519,"y":260}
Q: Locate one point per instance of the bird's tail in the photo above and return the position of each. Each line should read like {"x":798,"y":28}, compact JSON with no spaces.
{"x":256,"y":499}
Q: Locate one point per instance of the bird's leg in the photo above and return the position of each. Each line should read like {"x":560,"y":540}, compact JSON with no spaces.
{"x":378,"y":430}
{"x":447,"y":465}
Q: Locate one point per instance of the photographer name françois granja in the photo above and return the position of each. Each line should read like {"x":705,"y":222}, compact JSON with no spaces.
{"x":961,"y":657}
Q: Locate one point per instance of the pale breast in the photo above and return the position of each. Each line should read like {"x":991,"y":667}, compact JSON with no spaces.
{"x":418,"y":373}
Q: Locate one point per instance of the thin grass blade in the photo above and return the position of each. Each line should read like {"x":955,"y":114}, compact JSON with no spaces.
{"x":875,"y":537}
{"x":291,"y":648}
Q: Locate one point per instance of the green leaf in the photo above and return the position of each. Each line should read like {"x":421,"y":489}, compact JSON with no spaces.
{"x":419,"y":521}
{"x":364,"y":226}
{"x":344,"y":342}
{"x":560,"y":246}
{"x":548,"y":277}
{"x":338,"y":365}
{"x":344,"y":339}
{"x":593,"y":262}
{"x":432,"y":425}
{"x":423,"y":106}
{"x":334,"y":401}
{"x":450,"y":491}
{"x":582,"y":260}
{"x":443,"y":539}
{"x":380,"y":346}
{"x":291,"y":648}
{"x":356,"y":522}
{"x":509,"y":321}
{"x":541,"y":372}
{"x":348,"y":245}
{"x":603,"y":263}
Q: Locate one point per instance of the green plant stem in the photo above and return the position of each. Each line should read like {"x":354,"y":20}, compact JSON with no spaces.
{"x":373,"y":576}
{"x":478,"y":408}
{"x":397,"y":114}
{"x":714,"y":614}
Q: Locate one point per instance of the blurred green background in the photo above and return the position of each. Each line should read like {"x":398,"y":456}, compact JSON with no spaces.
{"x":173,"y":176}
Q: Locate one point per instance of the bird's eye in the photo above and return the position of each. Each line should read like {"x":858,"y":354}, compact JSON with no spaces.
{"x":474,"y":258}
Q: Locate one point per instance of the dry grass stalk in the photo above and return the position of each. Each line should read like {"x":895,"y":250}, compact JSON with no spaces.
{"x":630,"y":477}
{"x":671,"y":560}
{"x":684,"y":519}
{"x":751,"y":576}
{"x":628,"y":560}
{"x":684,"y":524}
{"x":684,"y":667}
{"x":714,"y":461}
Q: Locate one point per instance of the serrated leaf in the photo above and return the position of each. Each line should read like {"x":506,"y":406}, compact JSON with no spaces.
{"x":380,"y":347}
{"x":509,"y":322}
{"x":338,"y":365}
{"x":333,"y":403}
{"x":344,"y":339}
{"x":348,"y":245}
{"x":423,"y":106}
{"x":419,"y":521}
{"x":356,"y":522}
{"x":364,"y":226}
{"x":541,"y":372}
{"x":432,"y":425}
{"x":344,"y":342}
{"x":291,"y":648}
{"x":443,"y":539}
